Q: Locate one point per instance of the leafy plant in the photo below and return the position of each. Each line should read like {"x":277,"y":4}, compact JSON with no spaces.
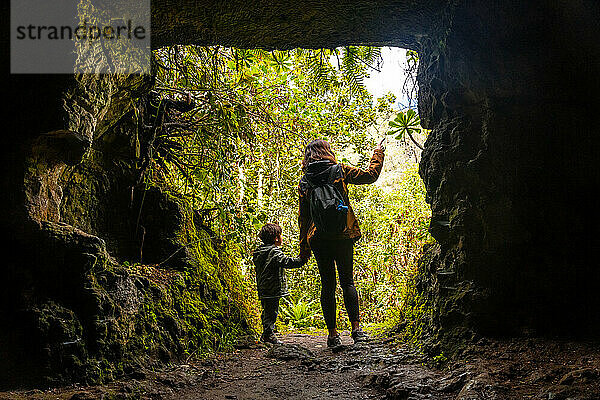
{"x":407,"y":123}
{"x":440,"y":359}
{"x":299,"y":314}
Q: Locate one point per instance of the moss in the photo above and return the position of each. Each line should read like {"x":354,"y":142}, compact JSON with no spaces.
{"x":432,"y":317}
{"x":417,"y":321}
{"x":105,"y":318}
{"x":412,"y":322}
{"x":97,"y":313}
{"x":146,"y":316}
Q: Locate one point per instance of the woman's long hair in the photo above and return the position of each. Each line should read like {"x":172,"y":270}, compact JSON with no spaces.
{"x":317,"y":150}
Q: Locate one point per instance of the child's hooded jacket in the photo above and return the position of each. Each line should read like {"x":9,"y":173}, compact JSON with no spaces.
{"x":270,"y":261}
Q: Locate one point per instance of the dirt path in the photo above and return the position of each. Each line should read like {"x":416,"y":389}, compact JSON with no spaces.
{"x":303,"y":368}
{"x":300,"y":369}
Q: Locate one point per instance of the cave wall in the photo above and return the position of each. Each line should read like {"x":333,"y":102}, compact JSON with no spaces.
{"x":288,"y":24}
{"x":103,"y":274}
{"x":510,"y":91}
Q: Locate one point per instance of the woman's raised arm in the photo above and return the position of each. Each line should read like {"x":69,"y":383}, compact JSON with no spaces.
{"x":358,"y":176}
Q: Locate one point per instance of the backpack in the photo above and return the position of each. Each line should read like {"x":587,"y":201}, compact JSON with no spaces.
{"x":327,"y":207}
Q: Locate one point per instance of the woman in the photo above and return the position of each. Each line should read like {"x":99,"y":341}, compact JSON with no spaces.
{"x":330,"y":249}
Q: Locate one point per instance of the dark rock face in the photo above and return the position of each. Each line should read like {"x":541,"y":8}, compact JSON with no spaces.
{"x":288,"y":24}
{"x":104,"y":275}
{"x":509,"y":168}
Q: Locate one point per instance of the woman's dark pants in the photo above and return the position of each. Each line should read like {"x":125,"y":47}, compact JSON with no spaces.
{"x":328,"y":254}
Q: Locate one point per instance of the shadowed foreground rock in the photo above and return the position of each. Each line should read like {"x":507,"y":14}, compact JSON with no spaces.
{"x":105,"y":275}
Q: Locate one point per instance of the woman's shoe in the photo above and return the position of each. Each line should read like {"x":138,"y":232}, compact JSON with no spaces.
{"x":359,"y":336}
{"x":334,"y":341}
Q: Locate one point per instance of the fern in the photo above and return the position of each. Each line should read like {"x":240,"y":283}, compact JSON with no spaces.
{"x":320,"y":69}
{"x":356,"y":63}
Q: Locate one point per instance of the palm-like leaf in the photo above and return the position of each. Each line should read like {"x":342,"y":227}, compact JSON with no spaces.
{"x":405,"y":123}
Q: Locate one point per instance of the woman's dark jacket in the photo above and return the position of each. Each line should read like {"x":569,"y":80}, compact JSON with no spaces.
{"x":318,"y":170}
{"x":270,"y":261}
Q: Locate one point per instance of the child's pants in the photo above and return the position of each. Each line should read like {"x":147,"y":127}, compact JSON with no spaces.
{"x":270,"y":307}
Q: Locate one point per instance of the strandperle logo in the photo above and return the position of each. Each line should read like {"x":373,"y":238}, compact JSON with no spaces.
{"x":82,"y":32}
{"x":80,"y":36}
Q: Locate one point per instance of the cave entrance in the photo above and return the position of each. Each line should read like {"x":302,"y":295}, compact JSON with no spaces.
{"x":234,"y":126}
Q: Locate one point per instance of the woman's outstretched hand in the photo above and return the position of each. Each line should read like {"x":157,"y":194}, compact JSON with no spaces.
{"x":381,"y":145}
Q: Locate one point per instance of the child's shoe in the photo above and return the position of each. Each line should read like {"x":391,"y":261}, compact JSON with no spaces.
{"x":334,"y":341}
{"x":359,"y":336}
{"x":270,"y":338}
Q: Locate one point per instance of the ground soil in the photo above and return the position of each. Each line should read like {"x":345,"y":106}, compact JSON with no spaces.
{"x":303,"y":368}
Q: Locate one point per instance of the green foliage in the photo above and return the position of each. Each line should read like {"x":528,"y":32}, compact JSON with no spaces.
{"x":405,"y":123}
{"x":240,"y":145}
{"x":394,"y":222}
{"x":353,"y":64}
{"x":235,"y":159}
{"x":302,"y":313}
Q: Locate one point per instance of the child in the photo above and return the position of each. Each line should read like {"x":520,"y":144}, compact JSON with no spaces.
{"x":270,"y":277}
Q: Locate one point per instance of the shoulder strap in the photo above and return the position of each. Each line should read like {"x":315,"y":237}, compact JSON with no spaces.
{"x":335,"y":170}
{"x":340,"y":185}
{"x":306,"y":183}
